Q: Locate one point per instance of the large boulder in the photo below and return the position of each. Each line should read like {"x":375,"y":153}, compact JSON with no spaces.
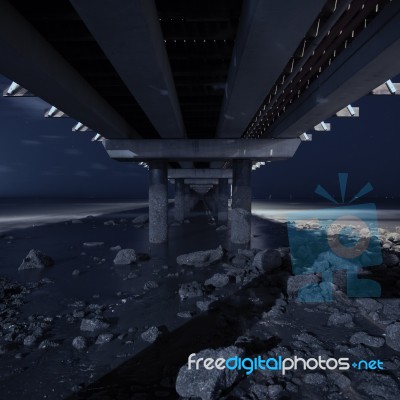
{"x":208,"y":384}
{"x":36,"y":260}
{"x":125,"y":257}
{"x":268,"y":259}
{"x":201,"y":258}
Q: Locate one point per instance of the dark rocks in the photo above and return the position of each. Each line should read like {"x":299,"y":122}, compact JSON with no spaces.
{"x":150,"y":285}
{"x":201,"y":258}
{"x":125,"y":257}
{"x":116,"y":248}
{"x":94,"y":324}
{"x":190,"y":290}
{"x":298,"y":282}
{"x":368,"y":340}
{"x":141,"y":220}
{"x":30,"y":340}
{"x":393,"y":336}
{"x":151,"y":334}
{"x":314,"y":379}
{"x":217,"y":280}
{"x":204,"y":305}
{"x":36,"y":260}
{"x":76,"y":272}
{"x":79,"y":343}
{"x":378,"y":386}
{"x":390,"y":259}
{"x":45,"y":344}
{"x":104,"y":338}
{"x":268,"y":259}
{"x":208,"y":384}
{"x":340,"y":319}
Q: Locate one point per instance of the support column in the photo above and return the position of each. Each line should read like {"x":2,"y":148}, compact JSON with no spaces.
{"x":179,"y":208}
{"x":187,"y":200}
{"x":241,"y":202}
{"x":223,"y":197}
{"x":158,"y":202}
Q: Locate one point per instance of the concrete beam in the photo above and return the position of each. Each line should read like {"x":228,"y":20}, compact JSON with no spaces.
{"x":370,"y":59}
{"x":130,"y":35}
{"x":201,"y":181}
{"x":30,"y":60}
{"x":201,"y":149}
{"x":257,"y":61}
{"x":199,"y":173}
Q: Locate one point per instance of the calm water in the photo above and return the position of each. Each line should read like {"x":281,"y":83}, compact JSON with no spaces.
{"x":23,"y":213}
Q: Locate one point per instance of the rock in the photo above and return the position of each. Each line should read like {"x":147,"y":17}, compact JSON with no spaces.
{"x":116,"y":248}
{"x":268,"y":259}
{"x":79,"y":343}
{"x":221,"y":228}
{"x":203,"y":305}
{"x":368,"y":340}
{"x":190,"y":290}
{"x":45,"y":344}
{"x":104,"y":338}
{"x":30,"y":340}
{"x":201,"y":258}
{"x":36,"y":260}
{"x":94,"y":324}
{"x":217,"y":280}
{"x":240,"y":226}
{"x":394,"y":237}
{"x":150,"y":285}
{"x":110,"y":223}
{"x":314,"y":379}
{"x":76,"y":272}
{"x":93,"y":244}
{"x":377,"y":386}
{"x":240,"y":261}
{"x":298,"y":282}
{"x":151,"y":335}
{"x":76,"y":221}
{"x":338,"y":318}
{"x":340,"y":380}
{"x":390,"y":259}
{"x":125,"y":257}
{"x":185,"y":314}
{"x":393,"y":336}
{"x":141,"y":219}
{"x":368,"y":305}
{"x":208,"y":384}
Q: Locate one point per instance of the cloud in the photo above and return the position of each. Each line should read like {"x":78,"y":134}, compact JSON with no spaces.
{"x":73,"y":152}
{"x":28,"y":142}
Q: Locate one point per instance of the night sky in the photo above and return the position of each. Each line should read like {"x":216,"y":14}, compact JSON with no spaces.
{"x":44,"y":158}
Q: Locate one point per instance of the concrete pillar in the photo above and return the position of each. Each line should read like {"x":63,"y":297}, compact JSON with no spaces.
{"x":158,"y":202}
{"x":187,"y":200}
{"x":179,"y":208}
{"x":223,"y":197}
{"x":241,"y":202}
